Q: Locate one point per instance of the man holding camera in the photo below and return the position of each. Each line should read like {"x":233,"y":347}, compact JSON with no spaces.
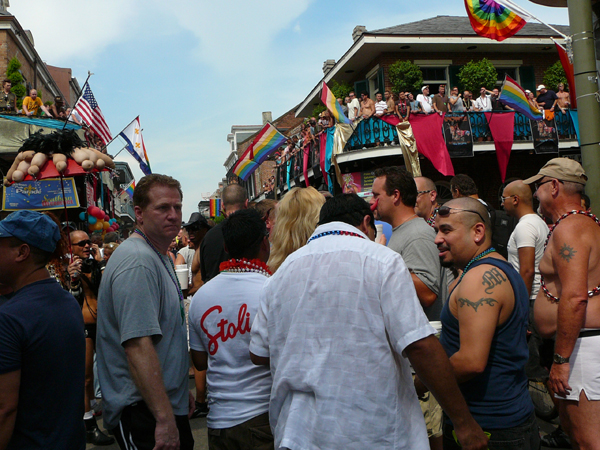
{"x":85,"y":273}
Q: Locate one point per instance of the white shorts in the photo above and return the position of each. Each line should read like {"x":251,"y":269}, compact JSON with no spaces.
{"x":585,"y":369}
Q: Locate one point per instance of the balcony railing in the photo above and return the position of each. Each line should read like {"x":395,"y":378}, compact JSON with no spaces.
{"x":373,"y":132}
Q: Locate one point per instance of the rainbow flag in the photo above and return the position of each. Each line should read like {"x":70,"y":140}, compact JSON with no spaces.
{"x":264,"y":144}
{"x":130,"y":188}
{"x":514,"y":96}
{"x":495,"y":19}
{"x":214,"y":207}
{"x":333,"y":106}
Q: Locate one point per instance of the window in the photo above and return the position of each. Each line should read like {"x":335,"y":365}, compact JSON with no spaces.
{"x":510,"y":71}
{"x":433,"y":77}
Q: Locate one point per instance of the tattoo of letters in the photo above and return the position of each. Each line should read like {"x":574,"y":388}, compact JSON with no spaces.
{"x":478,"y":303}
{"x":491,"y":279}
{"x":567,"y":252}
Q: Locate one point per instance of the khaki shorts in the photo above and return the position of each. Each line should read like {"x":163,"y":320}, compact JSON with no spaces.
{"x":432,"y":413}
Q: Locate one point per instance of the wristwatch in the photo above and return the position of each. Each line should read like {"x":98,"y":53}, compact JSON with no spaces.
{"x":557,"y":359}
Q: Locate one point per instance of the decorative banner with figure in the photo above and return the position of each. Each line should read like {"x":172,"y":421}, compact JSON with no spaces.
{"x":40,"y":195}
{"x":458,"y":135}
{"x":545,"y":136}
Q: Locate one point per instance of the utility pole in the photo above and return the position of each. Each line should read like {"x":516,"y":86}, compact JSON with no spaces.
{"x":586,"y":85}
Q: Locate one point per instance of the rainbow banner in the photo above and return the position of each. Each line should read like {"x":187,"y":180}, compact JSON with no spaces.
{"x":130,"y":188}
{"x":215,"y":207}
{"x":495,"y":19}
{"x":514,"y":96}
{"x":264,"y":144}
{"x":332,"y":105}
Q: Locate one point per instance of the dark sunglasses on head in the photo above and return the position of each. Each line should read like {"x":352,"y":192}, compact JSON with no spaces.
{"x":83,"y":243}
{"x":444,"y":211}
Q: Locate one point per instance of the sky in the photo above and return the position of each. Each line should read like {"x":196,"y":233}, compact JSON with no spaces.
{"x":193,"y":68}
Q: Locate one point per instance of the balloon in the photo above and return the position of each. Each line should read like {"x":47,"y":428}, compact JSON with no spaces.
{"x":82,"y":216}
{"x":116,"y":226}
{"x":105,"y":225}
{"x":90,"y":209}
{"x":112,"y":221}
{"x":106,"y":217}
{"x":98,"y":226}
{"x":98,"y":214}
{"x":110,"y":229}
{"x":92,"y":220}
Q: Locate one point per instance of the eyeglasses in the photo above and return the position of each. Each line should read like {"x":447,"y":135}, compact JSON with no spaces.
{"x":444,"y":211}
{"x":83,"y":243}
{"x":537,"y":185}
{"x":504,"y":198}
{"x":424,"y":192}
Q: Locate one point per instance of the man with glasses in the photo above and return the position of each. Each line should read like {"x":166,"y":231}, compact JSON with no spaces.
{"x":568,"y":305}
{"x":484,"y":326}
{"x":85,"y":272}
{"x":427,"y":204}
{"x":353,"y":106}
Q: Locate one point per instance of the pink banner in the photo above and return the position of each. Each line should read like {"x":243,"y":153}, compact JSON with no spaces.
{"x":502,"y":126}
{"x":305,"y":154}
{"x":427,"y":130}
{"x":322,"y":150}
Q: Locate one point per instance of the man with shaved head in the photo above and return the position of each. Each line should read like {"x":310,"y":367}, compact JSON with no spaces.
{"x":484,"y":326}
{"x":427,"y":205}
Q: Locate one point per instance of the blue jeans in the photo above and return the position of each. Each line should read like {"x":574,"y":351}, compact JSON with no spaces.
{"x":522,"y":437}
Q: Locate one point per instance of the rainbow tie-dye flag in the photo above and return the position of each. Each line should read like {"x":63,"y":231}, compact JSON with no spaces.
{"x":514,"y":96}
{"x":332,"y":105}
{"x":214,"y":207}
{"x":130,"y":188}
{"x":495,"y":19}
{"x":264,"y":144}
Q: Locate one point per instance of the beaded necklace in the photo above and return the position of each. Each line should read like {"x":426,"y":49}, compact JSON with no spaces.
{"x":431,"y":220}
{"x":475,"y":259}
{"x":335,"y":232}
{"x":173,"y":278}
{"x":547,"y":293}
{"x":244,"y":265}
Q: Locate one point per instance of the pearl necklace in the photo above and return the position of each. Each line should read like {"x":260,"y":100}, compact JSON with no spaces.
{"x":475,"y":259}
{"x":244,"y":266}
{"x":174,"y":279}
{"x":547,"y":293}
{"x":335,"y":232}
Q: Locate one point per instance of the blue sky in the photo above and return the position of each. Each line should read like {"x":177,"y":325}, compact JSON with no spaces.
{"x":193,"y":68}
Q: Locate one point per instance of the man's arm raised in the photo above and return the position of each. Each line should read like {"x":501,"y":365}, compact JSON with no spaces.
{"x":147,"y":375}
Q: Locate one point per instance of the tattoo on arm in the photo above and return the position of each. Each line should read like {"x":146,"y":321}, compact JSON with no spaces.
{"x":491,"y":279}
{"x":567,"y":252}
{"x":478,"y":303}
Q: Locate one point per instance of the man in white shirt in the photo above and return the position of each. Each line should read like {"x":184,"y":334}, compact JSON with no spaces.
{"x":220,"y":317}
{"x":484,"y":101}
{"x":353,"y":106}
{"x":334,"y":323}
{"x":425,"y":100}
{"x":380,"y":105}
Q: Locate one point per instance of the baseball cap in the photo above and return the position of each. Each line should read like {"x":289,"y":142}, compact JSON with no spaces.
{"x":527,"y":91}
{"x":540,"y":87}
{"x":424,"y":87}
{"x":564,"y":169}
{"x":196,"y":219}
{"x":31,"y":227}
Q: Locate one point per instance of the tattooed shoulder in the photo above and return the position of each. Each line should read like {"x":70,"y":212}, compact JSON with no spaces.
{"x":486,"y":300}
{"x":567,"y":252}
{"x":492,"y":278}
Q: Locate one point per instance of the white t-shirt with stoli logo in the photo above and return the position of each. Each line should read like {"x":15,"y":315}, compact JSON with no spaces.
{"x":220,"y":317}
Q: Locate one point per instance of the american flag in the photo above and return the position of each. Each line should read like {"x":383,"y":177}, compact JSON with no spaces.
{"x":88,"y":109}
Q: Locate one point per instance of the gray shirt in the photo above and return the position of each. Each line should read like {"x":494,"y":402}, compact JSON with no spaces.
{"x":414,"y":240}
{"x":138,"y":298}
{"x":458,"y":106}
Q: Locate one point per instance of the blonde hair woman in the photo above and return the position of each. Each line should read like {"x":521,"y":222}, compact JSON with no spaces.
{"x":297,"y":217}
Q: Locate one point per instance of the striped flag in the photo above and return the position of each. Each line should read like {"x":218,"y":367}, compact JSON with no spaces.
{"x":332,"y":105}
{"x":129,"y":189}
{"x":495,"y":19}
{"x":88,"y":109}
{"x":132,"y":134}
{"x":264,"y":144}
{"x":514,"y":96}
{"x":214,"y":207}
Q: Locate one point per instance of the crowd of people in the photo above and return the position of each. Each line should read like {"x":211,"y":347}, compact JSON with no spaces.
{"x":304,"y":328}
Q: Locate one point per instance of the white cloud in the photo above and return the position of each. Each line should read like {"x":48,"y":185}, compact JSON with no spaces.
{"x":64,"y":29}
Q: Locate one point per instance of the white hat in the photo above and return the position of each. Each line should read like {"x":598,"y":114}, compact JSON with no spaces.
{"x":424,"y":87}
{"x":540,"y":87}
{"x":527,"y":91}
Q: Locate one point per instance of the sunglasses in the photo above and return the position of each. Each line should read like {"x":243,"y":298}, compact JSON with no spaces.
{"x":444,"y":211}
{"x":83,"y":243}
{"x":537,"y":185}
{"x":424,"y":192}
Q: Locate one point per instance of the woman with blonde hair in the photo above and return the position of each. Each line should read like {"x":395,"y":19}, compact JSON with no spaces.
{"x":297,"y":217}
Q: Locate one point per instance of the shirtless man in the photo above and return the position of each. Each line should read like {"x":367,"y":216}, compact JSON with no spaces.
{"x":367,"y":106}
{"x":564,"y":98}
{"x":570,"y":270}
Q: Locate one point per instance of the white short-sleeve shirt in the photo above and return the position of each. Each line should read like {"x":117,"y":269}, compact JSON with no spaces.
{"x":531,"y":231}
{"x":426,"y":102}
{"x":334,"y":320}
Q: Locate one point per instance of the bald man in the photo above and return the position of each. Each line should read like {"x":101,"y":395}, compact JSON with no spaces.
{"x":427,"y":205}
{"x":526,"y":243}
{"x":483,"y":327}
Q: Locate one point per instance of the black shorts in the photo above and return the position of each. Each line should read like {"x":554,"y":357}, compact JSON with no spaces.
{"x":136,"y":429}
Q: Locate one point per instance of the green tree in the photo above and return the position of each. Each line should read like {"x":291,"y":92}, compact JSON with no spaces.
{"x":340,"y":90}
{"x":475,"y":74}
{"x":405,"y":76}
{"x":15,"y":77}
{"x":554,"y":75}
{"x":317,"y":110}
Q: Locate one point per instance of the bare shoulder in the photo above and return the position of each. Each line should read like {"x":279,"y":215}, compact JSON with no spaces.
{"x":484,"y":281}
{"x":572,"y":232}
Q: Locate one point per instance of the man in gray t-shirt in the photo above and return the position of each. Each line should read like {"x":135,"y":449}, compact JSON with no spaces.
{"x":143,"y":359}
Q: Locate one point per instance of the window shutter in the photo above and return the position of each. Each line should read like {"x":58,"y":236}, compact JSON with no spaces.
{"x":380,"y":81}
{"x":527,"y":76}
{"x":453,"y":75}
{"x":361,"y":86}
